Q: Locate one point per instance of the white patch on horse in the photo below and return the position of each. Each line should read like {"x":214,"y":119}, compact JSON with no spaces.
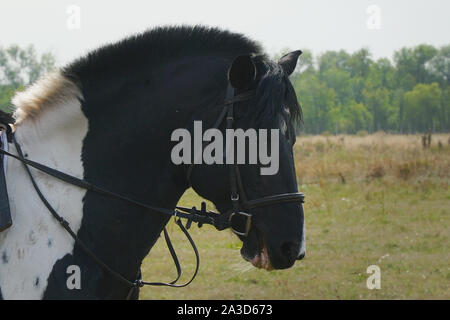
{"x":303,"y":245}
{"x":36,"y":241}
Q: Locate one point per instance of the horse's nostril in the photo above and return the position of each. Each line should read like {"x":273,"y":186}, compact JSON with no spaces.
{"x":290,"y":250}
{"x":301,"y":256}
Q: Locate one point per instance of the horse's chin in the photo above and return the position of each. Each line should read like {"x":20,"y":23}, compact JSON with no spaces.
{"x":262,"y":260}
{"x":256,"y":252}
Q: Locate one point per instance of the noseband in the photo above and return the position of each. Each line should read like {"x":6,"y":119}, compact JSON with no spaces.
{"x":231,"y":219}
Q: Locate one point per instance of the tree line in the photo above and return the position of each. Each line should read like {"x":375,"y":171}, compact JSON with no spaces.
{"x":347,"y":93}
{"x":340,"y":92}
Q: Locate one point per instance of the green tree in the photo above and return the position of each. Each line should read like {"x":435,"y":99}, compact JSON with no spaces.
{"x":381,"y":74}
{"x":439,"y":66}
{"x":333,"y":60}
{"x":377,"y":102}
{"x":340,"y":81}
{"x":423,"y":107}
{"x":317,"y":99}
{"x":349,"y":119}
{"x":412,"y":65}
{"x":445,"y":109}
{"x":20,"y":67}
{"x":359,"y":63}
{"x":360,"y":118}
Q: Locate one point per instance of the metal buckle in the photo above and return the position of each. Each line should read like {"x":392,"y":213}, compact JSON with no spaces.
{"x":248,"y":223}
{"x":235,"y":197}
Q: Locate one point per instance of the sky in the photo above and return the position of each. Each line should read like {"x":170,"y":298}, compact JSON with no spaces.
{"x":70,"y":29}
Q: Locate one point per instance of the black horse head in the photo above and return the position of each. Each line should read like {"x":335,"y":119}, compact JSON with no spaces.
{"x":276,"y":237}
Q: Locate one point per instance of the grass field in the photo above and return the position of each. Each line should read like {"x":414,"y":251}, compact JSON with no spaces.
{"x":374,"y":200}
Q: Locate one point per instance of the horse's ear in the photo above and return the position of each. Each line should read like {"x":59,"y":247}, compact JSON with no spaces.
{"x":242,"y":72}
{"x":289,"y":61}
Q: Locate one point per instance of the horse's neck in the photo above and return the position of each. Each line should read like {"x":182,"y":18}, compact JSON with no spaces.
{"x":36,"y":241}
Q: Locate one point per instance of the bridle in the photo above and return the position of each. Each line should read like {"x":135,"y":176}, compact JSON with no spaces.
{"x":239,"y":200}
{"x":232,"y":219}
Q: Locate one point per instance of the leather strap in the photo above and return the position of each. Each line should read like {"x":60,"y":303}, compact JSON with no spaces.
{"x":5,"y":212}
{"x":230,"y":99}
{"x":197,"y":257}
{"x":91,"y":187}
{"x":65,"y":224}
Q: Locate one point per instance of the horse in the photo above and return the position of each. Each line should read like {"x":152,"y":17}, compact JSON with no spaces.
{"x":107,"y":118}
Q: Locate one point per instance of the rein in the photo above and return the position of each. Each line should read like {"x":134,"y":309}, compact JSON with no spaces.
{"x":230,"y":219}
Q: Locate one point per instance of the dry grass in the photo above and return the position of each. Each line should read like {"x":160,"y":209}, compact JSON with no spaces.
{"x":377,"y":199}
{"x":353,"y":158}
